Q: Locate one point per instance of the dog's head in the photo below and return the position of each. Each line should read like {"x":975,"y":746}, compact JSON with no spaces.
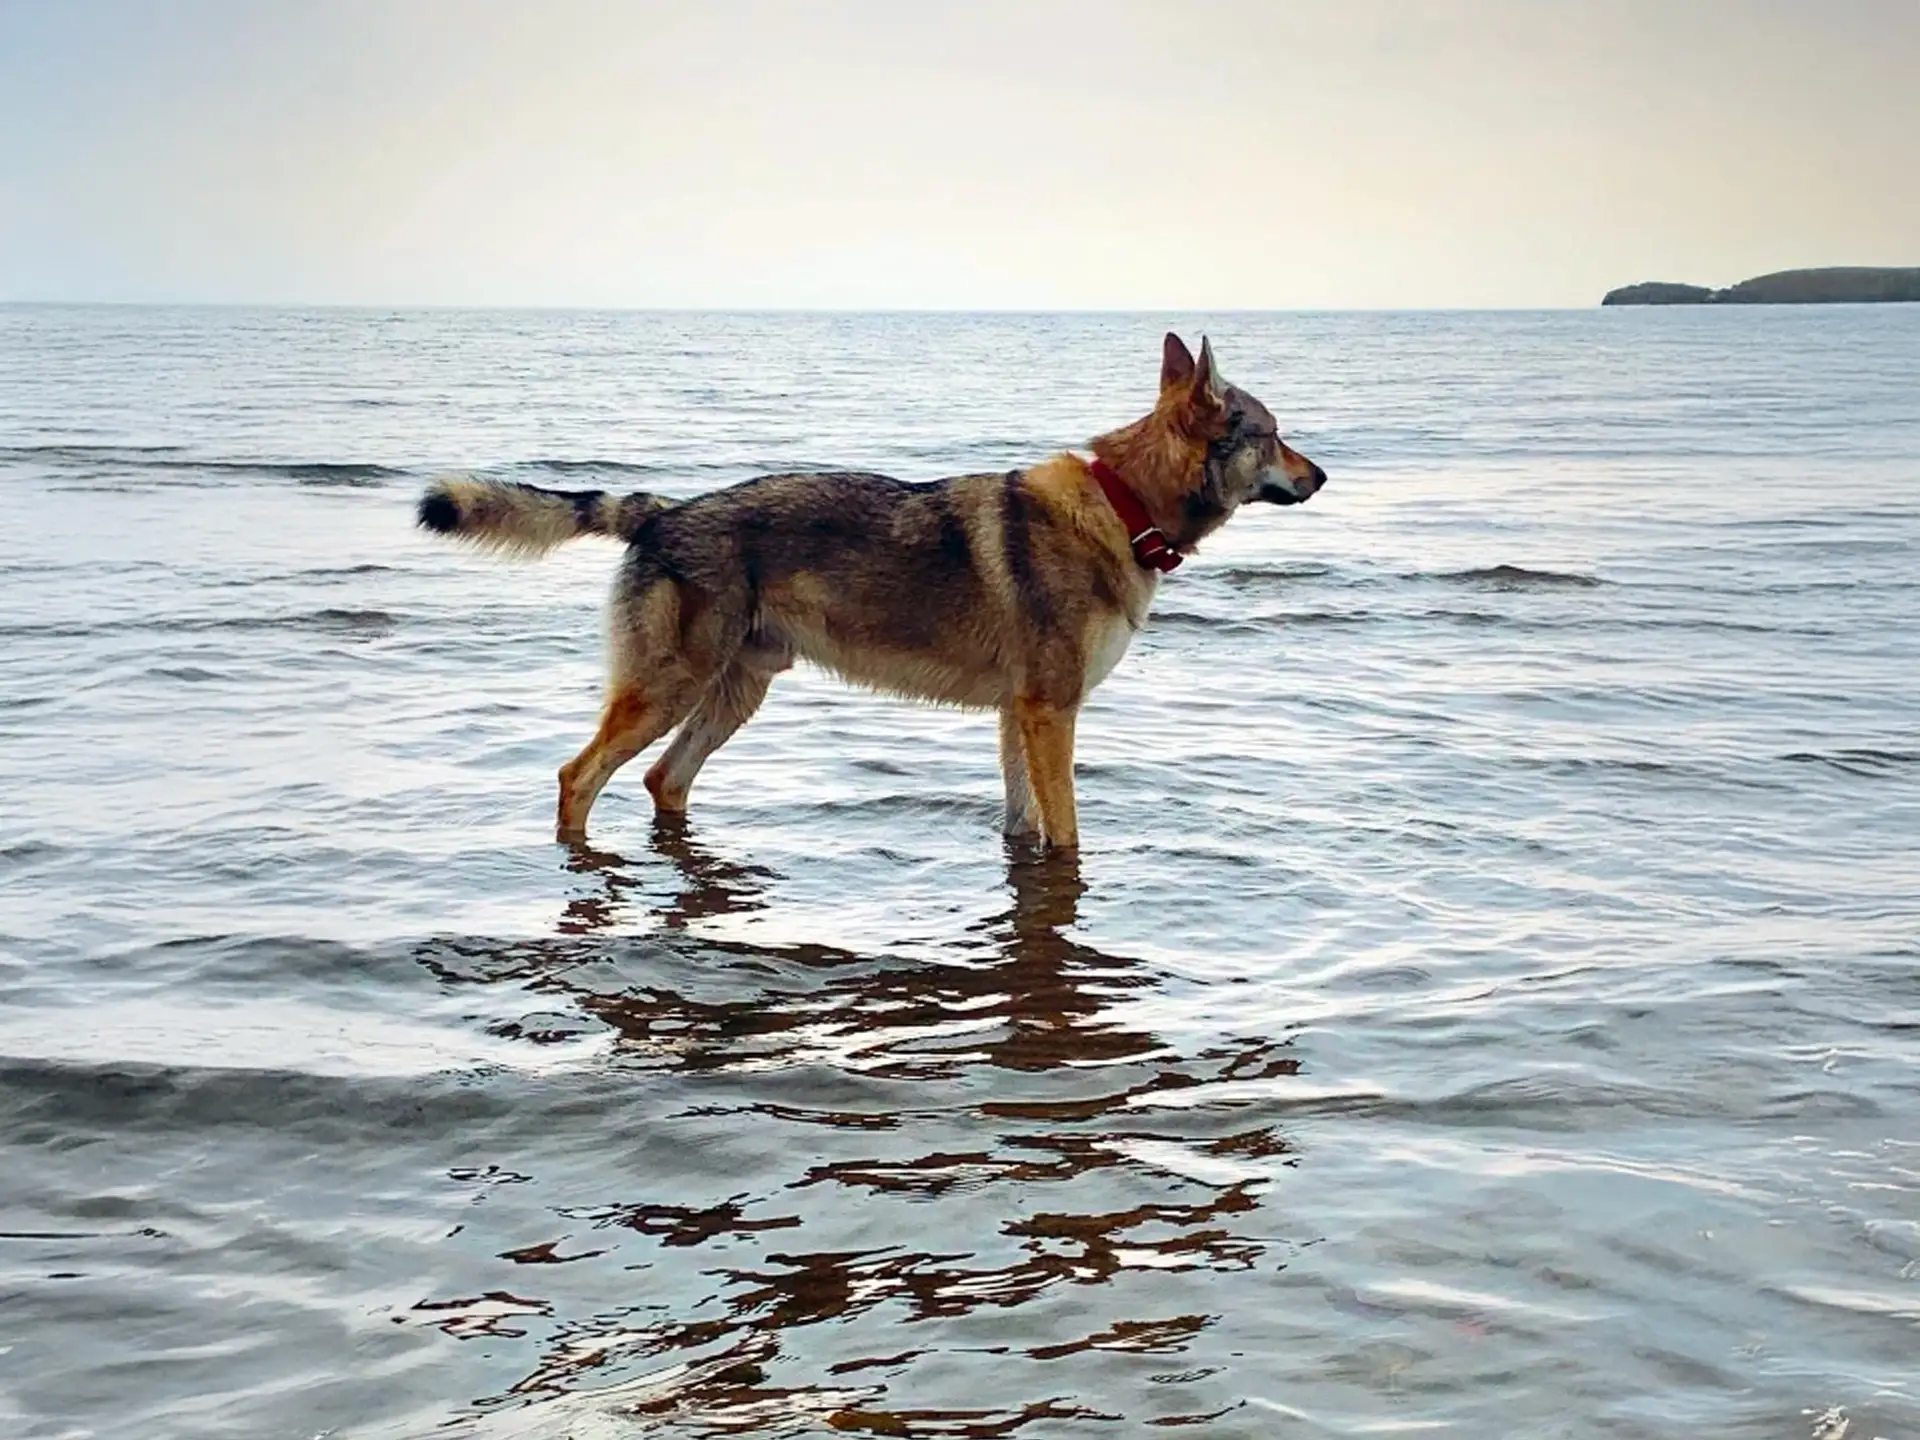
{"x":1246,"y":459}
{"x":1207,"y":449}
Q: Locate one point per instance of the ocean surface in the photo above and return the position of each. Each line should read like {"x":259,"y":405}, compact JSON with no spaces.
{"x":1487,"y":1002}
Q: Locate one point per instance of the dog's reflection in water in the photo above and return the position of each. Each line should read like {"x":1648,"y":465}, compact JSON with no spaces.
{"x":1046,"y":890}
{"x":710,"y":885}
{"x":1018,"y":966}
{"x":1021,"y":1077}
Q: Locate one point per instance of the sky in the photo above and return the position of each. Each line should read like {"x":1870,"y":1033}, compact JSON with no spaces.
{"x":1032,"y":154}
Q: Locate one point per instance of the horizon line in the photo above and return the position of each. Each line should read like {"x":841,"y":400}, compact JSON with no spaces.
{"x":571,"y":308}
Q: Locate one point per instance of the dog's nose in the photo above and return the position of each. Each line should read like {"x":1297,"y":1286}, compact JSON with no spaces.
{"x":1316,"y":477}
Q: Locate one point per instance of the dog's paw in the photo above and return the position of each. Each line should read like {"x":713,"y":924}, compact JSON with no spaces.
{"x":1021,"y":825}
{"x":668,"y":799}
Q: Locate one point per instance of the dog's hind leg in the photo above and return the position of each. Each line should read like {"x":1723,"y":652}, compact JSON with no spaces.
{"x":1023,"y":816}
{"x":667,"y":641}
{"x":634,"y":717}
{"x":727,"y":705}
{"x":1046,"y":734}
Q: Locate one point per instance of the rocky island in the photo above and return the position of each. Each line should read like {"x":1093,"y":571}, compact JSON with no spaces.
{"x":1836,"y":285}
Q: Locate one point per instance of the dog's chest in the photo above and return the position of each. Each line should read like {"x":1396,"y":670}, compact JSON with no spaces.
{"x":1108,"y":637}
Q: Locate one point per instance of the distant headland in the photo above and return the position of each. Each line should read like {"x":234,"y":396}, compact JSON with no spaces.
{"x":1836,"y":285}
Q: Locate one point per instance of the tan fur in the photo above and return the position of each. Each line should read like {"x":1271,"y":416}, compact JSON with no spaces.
{"x":1016,"y":592}
{"x":524,"y":521}
{"x":1046,"y":737}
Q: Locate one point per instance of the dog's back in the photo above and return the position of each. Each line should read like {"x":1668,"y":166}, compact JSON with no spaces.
{"x":937,"y":591}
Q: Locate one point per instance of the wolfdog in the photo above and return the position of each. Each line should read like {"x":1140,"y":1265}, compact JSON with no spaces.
{"x":1016,"y":592}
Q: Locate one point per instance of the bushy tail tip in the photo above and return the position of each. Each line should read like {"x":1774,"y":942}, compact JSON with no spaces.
{"x":519,"y":519}
{"x":439,"y":512}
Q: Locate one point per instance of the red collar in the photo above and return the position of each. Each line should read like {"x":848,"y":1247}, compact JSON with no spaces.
{"x":1150,"y":545}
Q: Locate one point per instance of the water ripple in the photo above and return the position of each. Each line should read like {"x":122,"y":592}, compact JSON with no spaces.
{"x":1486,"y":1001}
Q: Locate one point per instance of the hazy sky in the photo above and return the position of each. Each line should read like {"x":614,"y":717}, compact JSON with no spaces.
{"x":1035,"y":154}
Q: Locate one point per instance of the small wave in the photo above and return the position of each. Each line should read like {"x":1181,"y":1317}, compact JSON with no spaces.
{"x":364,"y":1076}
{"x":911,"y":803}
{"x":1516,"y":577}
{"x":28,"y":852}
{"x":603,"y":467}
{"x":357,"y":622}
{"x":335,"y":621}
{"x":172,"y":460}
{"x":86,"y":454}
{"x":1164,"y":620}
{"x":1261,"y":581}
{"x":302,"y":472}
{"x":1860,"y":761}
{"x":971,"y":451}
{"x":1325,"y":617}
{"x":1244,"y":575}
{"x":1289,"y":619}
{"x":332,"y":620}
{"x":1470,"y":618}
{"x":319,"y":572}
{"x":1597,"y":765}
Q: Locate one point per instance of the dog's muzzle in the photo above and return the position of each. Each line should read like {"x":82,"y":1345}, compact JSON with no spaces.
{"x":1293,"y":490}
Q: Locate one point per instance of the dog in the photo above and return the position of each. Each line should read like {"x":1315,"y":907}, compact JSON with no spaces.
{"x":1015,"y":592}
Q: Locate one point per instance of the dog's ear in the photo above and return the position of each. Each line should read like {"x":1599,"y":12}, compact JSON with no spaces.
{"x":1176,"y":362}
{"x":1205,"y":378}
{"x":1201,"y":407}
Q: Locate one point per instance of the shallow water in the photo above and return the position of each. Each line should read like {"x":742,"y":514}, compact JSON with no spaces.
{"x":1487,"y":1001}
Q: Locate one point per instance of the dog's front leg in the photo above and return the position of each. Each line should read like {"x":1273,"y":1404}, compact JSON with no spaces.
{"x":1046,"y":734}
{"x":1023,"y":816}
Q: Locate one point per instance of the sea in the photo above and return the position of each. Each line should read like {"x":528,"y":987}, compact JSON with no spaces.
{"x":1486,"y":1001}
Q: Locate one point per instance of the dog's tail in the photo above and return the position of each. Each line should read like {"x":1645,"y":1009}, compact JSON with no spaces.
{"x":527,"y":520}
